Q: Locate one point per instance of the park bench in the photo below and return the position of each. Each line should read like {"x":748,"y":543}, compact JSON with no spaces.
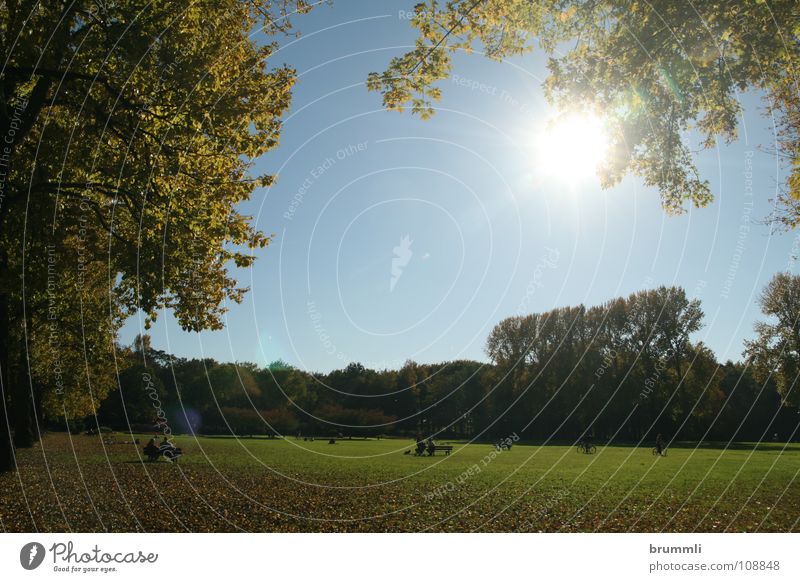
{"x":446,"y":449}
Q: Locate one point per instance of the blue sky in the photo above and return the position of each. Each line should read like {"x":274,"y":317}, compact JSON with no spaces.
{"x":397,"y":238}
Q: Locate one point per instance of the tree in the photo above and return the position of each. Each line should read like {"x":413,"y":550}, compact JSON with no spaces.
{"x":574,"y":369}
{"x":775,"y":352}
{"x":233,"y":384}
{"x":783,"y":102}
{"x":408,"y":395}
{"x":751,"y":410}
{"x":133,"y":124}
{"x":654,"y":70}
{"x":72,"y":327}
{"x":279,"y":421}
{"x":139,"y":401}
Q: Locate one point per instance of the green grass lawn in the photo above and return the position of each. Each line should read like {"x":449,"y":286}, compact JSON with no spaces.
{"x":224,"y":484}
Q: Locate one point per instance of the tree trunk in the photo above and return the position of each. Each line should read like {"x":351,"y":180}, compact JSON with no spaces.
{"x":6,"y":446}
{"x":23,"y":409}
{"x":25,"y":421}
{"x":6,"y":414}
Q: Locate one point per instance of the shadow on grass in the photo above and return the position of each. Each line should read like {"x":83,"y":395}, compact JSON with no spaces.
{"x":705,"y":445}
{"x":736,"y":446}
{"x":146,"y":463}
{"x":715,"y":445}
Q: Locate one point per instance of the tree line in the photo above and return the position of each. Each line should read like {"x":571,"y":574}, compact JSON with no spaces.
{"x":622,"y":371}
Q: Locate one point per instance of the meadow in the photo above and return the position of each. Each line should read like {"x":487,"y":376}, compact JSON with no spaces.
{"x":78,"y":483}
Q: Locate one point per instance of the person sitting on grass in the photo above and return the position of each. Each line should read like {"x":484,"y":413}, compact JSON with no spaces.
{"x":660,"y":448}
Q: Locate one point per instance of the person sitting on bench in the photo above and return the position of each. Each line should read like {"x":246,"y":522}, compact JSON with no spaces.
{"x":167,"y":447}
{"x":420,"y":445}
{"x":431,"y":446}
{"x":151,"y":450}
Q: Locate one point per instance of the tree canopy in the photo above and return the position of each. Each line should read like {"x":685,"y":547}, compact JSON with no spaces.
{"x":130,"y":129}
{"x":775,"y":352}
{"x":654,"y":70}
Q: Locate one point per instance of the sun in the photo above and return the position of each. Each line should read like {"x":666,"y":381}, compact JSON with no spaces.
{"x":571,"y":147}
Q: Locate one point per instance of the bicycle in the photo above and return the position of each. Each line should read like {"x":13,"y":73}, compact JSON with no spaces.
{"x":656,"y":452}
{"x":587,"y":448}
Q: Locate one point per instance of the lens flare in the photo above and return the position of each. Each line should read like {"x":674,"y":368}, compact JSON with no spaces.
{"x":571,"y":147}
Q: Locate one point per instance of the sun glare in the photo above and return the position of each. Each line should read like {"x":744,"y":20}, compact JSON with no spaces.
{"x":571,"y":147}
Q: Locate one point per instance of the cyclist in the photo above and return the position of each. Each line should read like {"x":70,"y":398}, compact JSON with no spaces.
{"x":660,"y":445}
{"x":586,"y":442}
